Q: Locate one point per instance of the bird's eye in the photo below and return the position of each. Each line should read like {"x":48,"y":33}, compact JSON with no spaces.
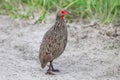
{"x":62,"y":12}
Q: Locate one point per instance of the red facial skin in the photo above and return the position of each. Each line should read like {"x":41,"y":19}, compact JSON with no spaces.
{"x":63,"y":13}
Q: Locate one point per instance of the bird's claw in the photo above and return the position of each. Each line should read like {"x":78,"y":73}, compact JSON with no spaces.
{"x":49,"y":73}
{"x":56,"y":70}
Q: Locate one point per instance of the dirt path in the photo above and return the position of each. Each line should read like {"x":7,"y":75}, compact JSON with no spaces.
{"x":90,"y":53}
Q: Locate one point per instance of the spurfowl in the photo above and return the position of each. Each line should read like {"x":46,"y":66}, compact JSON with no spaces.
{"x":54,"y":42}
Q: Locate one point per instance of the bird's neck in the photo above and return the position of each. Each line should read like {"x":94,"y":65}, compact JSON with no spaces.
{"x":59,"y":24}
{"x":60,"y":19}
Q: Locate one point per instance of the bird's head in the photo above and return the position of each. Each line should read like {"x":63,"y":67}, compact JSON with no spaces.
{"x":62,"y":13}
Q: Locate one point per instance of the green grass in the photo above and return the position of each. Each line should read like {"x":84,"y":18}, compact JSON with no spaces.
{"x":106,"y":11}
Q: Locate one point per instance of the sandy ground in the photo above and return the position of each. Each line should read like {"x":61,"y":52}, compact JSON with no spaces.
{"x":90,"y":54}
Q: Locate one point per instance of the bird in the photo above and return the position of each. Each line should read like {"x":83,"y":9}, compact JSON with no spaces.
{"x":54,"y":42}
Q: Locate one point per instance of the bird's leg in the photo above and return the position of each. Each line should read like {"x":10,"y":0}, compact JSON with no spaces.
{"x":49,"y":71}
{"x":54,"y":70}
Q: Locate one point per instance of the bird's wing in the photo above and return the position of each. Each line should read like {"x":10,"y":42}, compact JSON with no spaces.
{"x":47,"y":46}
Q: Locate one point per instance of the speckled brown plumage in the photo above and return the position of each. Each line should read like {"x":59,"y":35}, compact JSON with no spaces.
{"x":54,"y":42}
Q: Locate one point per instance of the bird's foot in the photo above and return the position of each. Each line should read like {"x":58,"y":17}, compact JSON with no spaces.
{"x":55,"y":70}
{"x":49,"y":73}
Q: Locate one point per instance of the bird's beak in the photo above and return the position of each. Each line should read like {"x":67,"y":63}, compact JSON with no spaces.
{"x":66,"y":13}
{"x":69,"y":13}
